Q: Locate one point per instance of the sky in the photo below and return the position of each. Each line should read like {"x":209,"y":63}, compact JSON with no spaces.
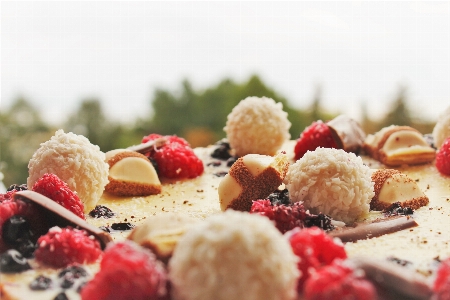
{"x":57,"y":53}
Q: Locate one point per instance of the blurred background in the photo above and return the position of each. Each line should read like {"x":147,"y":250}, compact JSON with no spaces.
{"x":115,"y":71}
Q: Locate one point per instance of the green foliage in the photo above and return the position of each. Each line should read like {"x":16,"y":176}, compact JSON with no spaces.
{"x":190,"y":110}
{"x":197,"y":115}
{"x":21,"y":132}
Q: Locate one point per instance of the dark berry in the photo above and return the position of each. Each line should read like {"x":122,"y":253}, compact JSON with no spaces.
{"x":75,"y":270}
{"x":16,"y":229}
{"x":231,"y":161}
{"x":40,"y":283}
{"x":101,"y":211}
{"x":280,"y":197}
{"x":122,"y":226}
{"x":396,"y":209}
{"x":26,"y":248}
{"x":13,"y":262}
{"x":222,"y":151}
{"x":61,"y":296}
{"x":17,"y":187}
{"x":321,"y":220}
{"x":214,"y":164}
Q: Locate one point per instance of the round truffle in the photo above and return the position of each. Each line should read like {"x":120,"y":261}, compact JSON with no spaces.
{"x":333,"y":182}
{"x":75,"y":161}
{"x":234,"y":255}
{"x":441,"y":130}
{"x":257,"y":126}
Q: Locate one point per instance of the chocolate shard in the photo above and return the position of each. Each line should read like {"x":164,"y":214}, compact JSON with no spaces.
{"x":57,"y":215}
{"x":347,"y":133}
{"x":375,"y":229}
{"x":394,"y":278}
{"x":146,"y":147}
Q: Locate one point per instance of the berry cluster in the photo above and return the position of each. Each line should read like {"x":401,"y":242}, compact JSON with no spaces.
{"x":337,"y":281}
{"x":54,"y":188}
{"x":316,"y":135}
{"x":175,"y":159}
{"x":443,"y":158}
{"x":315,"y":249}
{"x":127,"y":271}
{"x":61,"y":247}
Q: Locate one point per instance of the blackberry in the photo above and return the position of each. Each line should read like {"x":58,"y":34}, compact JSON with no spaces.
{"x":222,"y":151}
{"x":13,"y":262}
{"x":69,"y":275}
{"x":231,"y":161}
{"x":17,"y":232}
{"x":61,"y":296}
{"x":321,"y":220}
{"x":101,"y":211}
{"x":17,"y":187}
{"x":40,"y":283}
{"x":396,"y":209}
{"x":279,"y":197}
{"x":122,"y":226}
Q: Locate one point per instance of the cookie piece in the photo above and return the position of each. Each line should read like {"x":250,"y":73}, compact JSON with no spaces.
{"x":251,"y":177}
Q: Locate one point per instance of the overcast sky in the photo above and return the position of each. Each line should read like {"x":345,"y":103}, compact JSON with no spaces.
{"x":57,"y":53}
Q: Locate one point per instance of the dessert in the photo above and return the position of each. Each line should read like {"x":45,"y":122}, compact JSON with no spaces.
{"x":131,"y":174}
{"x":393,"y":186}
{"x":333,"y":182}
{"x":219,"y":260}
{"x":76,"y":162}
{"x":257,"y":126}
{"x":251,"y":177}
{"x":341,"y":132}
{"x":186,"y":219}
{"x":399,"y":145}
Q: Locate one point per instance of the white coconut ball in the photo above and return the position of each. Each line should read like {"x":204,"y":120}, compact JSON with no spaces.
{"x":441,"y":130}
{"x":333,"y":182}
{"x":234,"y":255}
{"x":75,"y":161}
{"x":257,"y":126}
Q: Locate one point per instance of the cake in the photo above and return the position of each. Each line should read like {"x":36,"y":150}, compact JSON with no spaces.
{"x":397,"y":251}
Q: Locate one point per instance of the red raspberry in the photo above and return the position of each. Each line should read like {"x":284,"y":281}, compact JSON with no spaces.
{"x":61,"y":247}
{"x":443,"y":158}
{"x":54,"y":188}
{"x":316,"y":135}
{"x":441,"y":286}
{"x":25,"y":209}
{"x":169,"y":139}
{"x":285,"y":217}
{"x":337,"y":281}
{"x":175,"y":159}
{"x":7,"y":196}
{"x":127,"y":271}
{"x":315,"y":249}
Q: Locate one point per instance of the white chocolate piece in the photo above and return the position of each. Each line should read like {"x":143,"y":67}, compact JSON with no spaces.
{"x":131,"y":174}
{"x":134,"y":169}
{"x":393,"y":186}
{"x":229,"y":189}
{"x":161,"y":233}
{"x":256,"y":164}
{"x":399,"y":145}
{"x":399,"y":188}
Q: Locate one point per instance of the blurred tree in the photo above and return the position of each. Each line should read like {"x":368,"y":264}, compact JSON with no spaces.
{"x":21,"y":132}
{"x":399,"y":114}
{"x":91,"y":122}
{"x":191,"y":113}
